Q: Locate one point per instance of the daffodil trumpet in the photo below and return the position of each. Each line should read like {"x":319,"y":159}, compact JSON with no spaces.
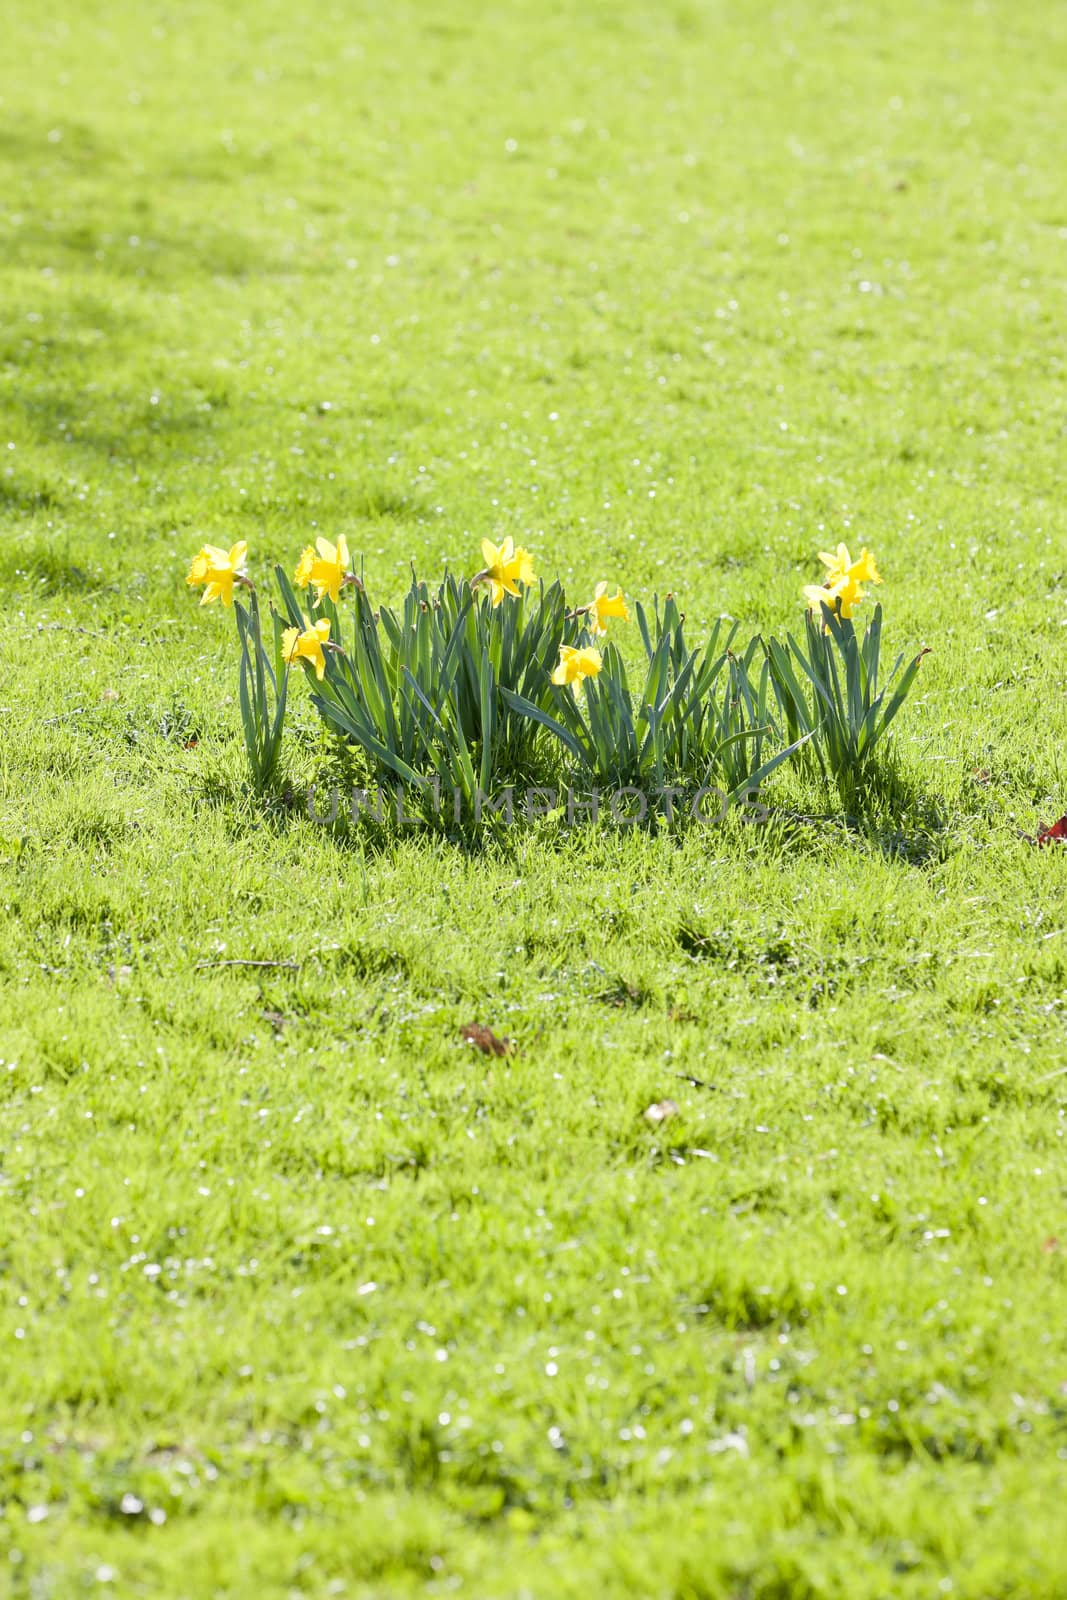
{"x":217,"y":570}
{"x":602,"y":608}
{"x":326,"y":568}
{"x":505,"y":568}
{"x":307,"y":644}
{"x":576,"y":664}
{"x":841,"y":591}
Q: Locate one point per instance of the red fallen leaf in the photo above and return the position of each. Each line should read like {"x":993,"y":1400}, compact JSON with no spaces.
{"x":485,"y":1040}
{"x":1058,"y":830}
{"x":1051,"y":1245}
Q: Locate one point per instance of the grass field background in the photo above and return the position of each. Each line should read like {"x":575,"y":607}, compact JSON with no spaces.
{"x":299,"y":1295}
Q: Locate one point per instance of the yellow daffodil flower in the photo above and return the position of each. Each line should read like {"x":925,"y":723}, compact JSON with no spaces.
{"x":842,"y":591}
{"x":307,"y":645}
{"x":505,"y":568}
{"x":840,"y":564}
{"x":575,"y":664}
{"x":865,"y":568}
{"x":216,"y":569}
{"x":326,"y":566}
{"x":523,"y":567}
{"x":817,"y":597}
{"x":836,"y":563}
{"x":604,"y":606}
{"x":841,"y":597}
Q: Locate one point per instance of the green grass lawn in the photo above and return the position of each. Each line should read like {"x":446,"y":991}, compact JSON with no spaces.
{"x":299,"y":1293}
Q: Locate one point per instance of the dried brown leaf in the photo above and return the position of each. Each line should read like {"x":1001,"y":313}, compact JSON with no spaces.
{"x":1057,"y":833}
{"x":485,"y":1040}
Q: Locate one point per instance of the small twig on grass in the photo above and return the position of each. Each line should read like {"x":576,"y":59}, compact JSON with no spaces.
{"x":78,"y":712}
{"x":66,"y":627}
{"x":698,"y":1083}
{"x":288,"y":966}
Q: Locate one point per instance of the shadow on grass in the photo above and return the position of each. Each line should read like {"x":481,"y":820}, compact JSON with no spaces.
{"x":377,"y":830}
{"x":47,"y":572}
{"x":379,"y":504}
{"x":29,"y":494}
{"x":368,"y":815}
{"x":138,"y":247}
{"x":116,"y":428}
{"x":888,"y":809}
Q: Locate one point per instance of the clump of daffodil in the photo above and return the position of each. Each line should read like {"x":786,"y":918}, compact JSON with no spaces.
{"x":604,"y":606}
{"x":843,"y":589}
{"x":306,"y":644}
{"x":326,"y":566}
{"x":576,"y":664}
{"x":505,"y":568}
{"x":218,"y":570}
